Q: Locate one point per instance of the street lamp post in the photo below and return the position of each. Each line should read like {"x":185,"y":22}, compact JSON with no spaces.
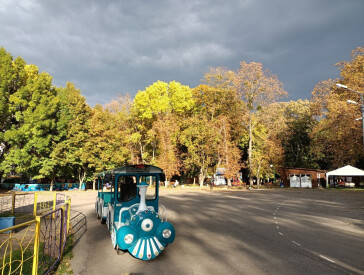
{"x":353,"y":102}
{"x":274,"y":171}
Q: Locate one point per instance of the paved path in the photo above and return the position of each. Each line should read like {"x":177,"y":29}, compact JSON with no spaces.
{"x":239,"y":232}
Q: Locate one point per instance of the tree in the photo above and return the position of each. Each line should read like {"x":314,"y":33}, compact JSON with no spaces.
{"x":219,"y":97}
{"x":199,"y":145}
{"x":296,"y":140}
{"x":73,"y":127}
{"x":12,"y":77}
{"x":167,"y":130}
{"x":229,"y":155}
{"x":352,"y":73}
{"x":155,"y":103}
{"x":258,"y":88}
{"x":33,"y":132}
{"x":218,"y":102}
{"x":108,"y":144}
{"x":337,"y":137}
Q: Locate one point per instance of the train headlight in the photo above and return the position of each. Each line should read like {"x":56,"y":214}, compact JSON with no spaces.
{"x":166,"y":233}
{"x":128,"y":239}
{"x":147,"y":225}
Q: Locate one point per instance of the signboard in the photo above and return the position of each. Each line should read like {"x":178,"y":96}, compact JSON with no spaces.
{"x":137,"y":169}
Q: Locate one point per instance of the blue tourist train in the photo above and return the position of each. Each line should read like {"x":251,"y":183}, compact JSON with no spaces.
{"x":128,"y":202}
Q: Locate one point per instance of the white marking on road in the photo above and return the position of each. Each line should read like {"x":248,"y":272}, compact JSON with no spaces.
{"x":327,"y":259}
{"x":280,"y":233}
{"x":296,"y":243}
{"x":276,"y":222}
{"x":275,"y":218}
{"x":277,"y":227}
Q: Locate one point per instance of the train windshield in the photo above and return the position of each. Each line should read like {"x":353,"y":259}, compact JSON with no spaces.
{"x":127,"y":188}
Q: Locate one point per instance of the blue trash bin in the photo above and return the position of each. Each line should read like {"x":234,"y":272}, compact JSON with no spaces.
{"x":6,"y":222}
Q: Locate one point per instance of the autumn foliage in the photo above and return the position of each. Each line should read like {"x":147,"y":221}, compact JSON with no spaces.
{"x":234,"y":120}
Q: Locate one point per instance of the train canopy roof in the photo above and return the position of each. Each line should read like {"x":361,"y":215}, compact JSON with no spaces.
{"x":132,"y":169}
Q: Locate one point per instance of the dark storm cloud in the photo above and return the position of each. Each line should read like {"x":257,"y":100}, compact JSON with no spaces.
{"x":111,"y":47}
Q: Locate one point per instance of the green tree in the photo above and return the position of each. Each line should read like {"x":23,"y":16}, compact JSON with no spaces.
{"x":152,"y":104}
{"x":108,"y":144}
{"x":73,"y":124}
{"x":199,"y":145}
{"x":12,"y":77}
{"x":33,"y":133}
{"x":297,"y":136}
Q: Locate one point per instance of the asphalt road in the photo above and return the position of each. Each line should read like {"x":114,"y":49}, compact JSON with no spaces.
{"x":280,"y":231}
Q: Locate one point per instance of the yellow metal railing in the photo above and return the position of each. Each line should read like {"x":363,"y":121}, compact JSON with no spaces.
{"x":22,"y":245}
{"x":19,"y":250}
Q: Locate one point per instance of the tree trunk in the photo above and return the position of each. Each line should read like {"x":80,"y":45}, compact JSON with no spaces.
{"x":201,"y":177}
{"x":51,"y":187}
{"x":258,"y":177}
{"x":93,"y":184}
{"x":81,"y":177}
{"x":141,"y":152}
{"x":250,"y":152}
{"x":154,"y":149}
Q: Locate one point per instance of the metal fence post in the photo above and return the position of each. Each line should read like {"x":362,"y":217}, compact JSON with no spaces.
{"x":54,"y":204}
{"x":68,"y":214}
{"x":62,"y":238}
{"x":36,"y":246}
{"x":54,"y":200}
{"x":35,"y":203}
{"x":13,"y":203}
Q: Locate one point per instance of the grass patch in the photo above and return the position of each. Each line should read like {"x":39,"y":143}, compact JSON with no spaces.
{"x":345,"y":189}
{"x":64,"y":266}
{"x":20,"y":261}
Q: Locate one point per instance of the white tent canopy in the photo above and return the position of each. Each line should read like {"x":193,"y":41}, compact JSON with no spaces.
{"x":346,"y":171}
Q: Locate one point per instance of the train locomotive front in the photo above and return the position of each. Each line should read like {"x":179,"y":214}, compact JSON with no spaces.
{"x":136,"y":221}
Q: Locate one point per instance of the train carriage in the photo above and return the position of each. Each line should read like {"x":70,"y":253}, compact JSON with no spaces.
{"x":128,"y":202}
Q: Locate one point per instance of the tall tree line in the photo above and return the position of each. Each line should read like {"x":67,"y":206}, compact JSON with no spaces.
{"x":233,"y":120}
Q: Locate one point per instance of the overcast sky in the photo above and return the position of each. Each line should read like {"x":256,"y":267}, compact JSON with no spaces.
{"x":111,"y":47}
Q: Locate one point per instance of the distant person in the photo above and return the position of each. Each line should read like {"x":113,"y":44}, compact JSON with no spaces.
{"x":175,"y":184}
{"x":212,"y":179}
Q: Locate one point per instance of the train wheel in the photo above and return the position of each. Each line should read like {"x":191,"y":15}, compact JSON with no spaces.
{"x":103,"y":221}
{"x":120,"y":252}
{"x":98,"y":213}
